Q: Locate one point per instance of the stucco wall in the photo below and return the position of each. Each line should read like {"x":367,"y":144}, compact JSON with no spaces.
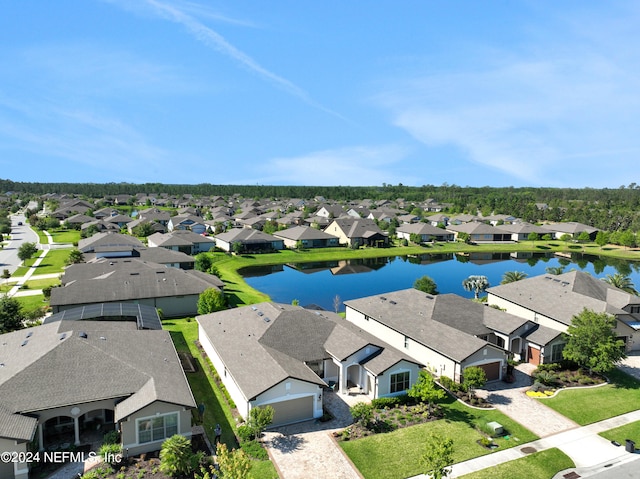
{"x":128,"y":429}
{"x":434,"y":361}
{"x":384,"y":380}
{"x":291,"y":389}
{"x":8,"y":469}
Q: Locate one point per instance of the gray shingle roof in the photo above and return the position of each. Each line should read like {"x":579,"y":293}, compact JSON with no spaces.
{"x":56,"y":367}
{"x":108,"y":280}
{"x":445,"y":323}
{"x":561,"y":297}
{"x":267,"y":343}
{"x":298,"y":233}
{"x":88,"y":245}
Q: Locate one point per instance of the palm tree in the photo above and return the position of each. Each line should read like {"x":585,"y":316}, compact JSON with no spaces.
{"x":622,"y":282}
{"x":477,"y":284}
{"x":513,"y":276}
{"x":555,"y":270}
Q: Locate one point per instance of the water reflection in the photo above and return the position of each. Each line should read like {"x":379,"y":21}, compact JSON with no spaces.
{"x":319,"y":282}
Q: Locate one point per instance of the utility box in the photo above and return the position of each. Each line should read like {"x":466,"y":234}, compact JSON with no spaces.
{"x":496,"y":427}
{"x":630,"y":446}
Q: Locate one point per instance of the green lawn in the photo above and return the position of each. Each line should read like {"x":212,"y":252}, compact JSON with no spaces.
{"x":41,"y":283}
{"x":54,"y":262}
{"x":396,"y":454}
{"x":32,"y":303}
{"x":65,"y":236}
{"x":184,"y":333}
{"x":22,"y":270}
{"x":584,"y":406}
{"x":540,"y":465}
{"x":5,"y":287}
{"x":622,"y":433}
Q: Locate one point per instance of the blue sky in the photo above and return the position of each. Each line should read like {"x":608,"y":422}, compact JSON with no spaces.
{"x":499,"y":93}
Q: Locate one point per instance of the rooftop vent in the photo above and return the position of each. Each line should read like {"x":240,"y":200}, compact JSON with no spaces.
{"x":383,"y":298}
{"x":103,"y":338}
{"x":29,"y":334}
{"x":266,"y":320}
{"x":392,"y":302}
{"x":83,"y":335}
{"x":254,"y":308}
{"x":260,"y":313}
{"x":62,"y":336}
{"x":429,"y":296}
{"x":556,"y":280}
{"x":24,"y":343}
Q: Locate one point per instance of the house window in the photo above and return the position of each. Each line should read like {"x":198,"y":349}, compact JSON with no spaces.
{"x":635,"y":309}
{"x":157,"y":428}
{"x":399,"y":382}
{"x":406,"y":342}
{"x":556,"y":353}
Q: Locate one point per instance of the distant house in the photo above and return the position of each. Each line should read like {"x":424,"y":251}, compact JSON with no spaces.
{"x":250,"y":240}
{"x":184,"y":241}
{"x":307,"y":236}
{"x":107,"y":280}
{"x":480,"y":232}
{"x":463,"y":218}
{"x":437,"y":219}
{"x":286,"y":356}
{"x":446,"y":333}
{"x":551,"y":301}
{"x":360,"y":232}
{"x":521,"y":231}
{"x":187,"y":222}
{"x":426,"y":232}
{"x":56,"y":388}
{"x":557,"y":230}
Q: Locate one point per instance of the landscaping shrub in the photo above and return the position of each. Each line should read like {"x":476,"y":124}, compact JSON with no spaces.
{"x":112,"y":437}
{"x":362,"y":413}
{"x":177,"y":458}
{"x":384,"y":402}
{"x":254,"y":449}
{"x":551,"y":367}
{"x":245,"y":433}
{"x":547,"y":378}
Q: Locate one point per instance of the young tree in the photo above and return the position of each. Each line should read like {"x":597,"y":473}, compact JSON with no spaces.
{"x":11,"y":314}
{"x":546,"y":237}
{"x":259,"y":419}
{"x":438,"y":456}
{"x":426,"y":284}
{"x":584,"y":237}
{"x":203,"y":262}
{"x":75,"y":257}
{"x":602,"y":238}
{"x":26,"y":251}
{"x":513,"y":276}
{"x":426,"y":390}
{"x":211,"y":300}
{"x":233,"y":464}
{"x":476,"y":283}
{"x":533,"y":237}
{"x":362,"y":413}
{"x":622,"y":282}
{"x":554,"y":270}
{"x":473,"y":377}
{"x":592,"y":341}
{"x":143,"y":230}
{"x":566,"y":237}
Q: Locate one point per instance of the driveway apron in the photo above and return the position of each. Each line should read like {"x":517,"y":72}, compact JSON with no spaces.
{"x":531,"y":413}
{"x":307,"y":450}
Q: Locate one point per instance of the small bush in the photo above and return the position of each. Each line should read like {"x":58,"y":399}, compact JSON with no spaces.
{"x":112,"y":437}
{"x":245,"y":433}
{"x":551,"y":367}
{"x":254,"y":449}
{"x":447,"y":382}
{"x":384,"y":402}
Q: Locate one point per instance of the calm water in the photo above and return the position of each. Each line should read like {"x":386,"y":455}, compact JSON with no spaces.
{"x":319,"y":283}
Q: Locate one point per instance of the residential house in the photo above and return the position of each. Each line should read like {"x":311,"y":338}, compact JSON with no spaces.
{"x":446,"y":333}
{"x":521,"y":231}
{"x":187,"y":222}
{"x":438,"y":219}
{"x":557,"y":230}
{"x":427,"y":232}
{"x":308,"y":237}
{"x":479,"y":232}
{"x":185,"y":241}
{"x":250,"y":240}
{"x":286,"y":356}
{"x":59,"y":385}
{"x":330,"y":211}
{"x":156,"y":215}
{"x":108,"y":280}
{"x":463,"y":218}
{"x":157,"y":227}
{"x":358,"y":232}
{"x":551,"y":302}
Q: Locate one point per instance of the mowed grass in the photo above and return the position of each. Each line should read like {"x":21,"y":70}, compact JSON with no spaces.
{"x":53,"y":262}
{"x":32,"y":303}
{"x":585,"y":405}
{"x":184,"y":333}
{"x":42,"y":283}
{"x":540,"y":465}
{"x":397,"y":454}
{"x":622,"y":433}
{"x":65,"y":236}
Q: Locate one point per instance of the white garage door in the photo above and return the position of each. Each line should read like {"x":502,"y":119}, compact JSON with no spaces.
{"x":293,"y":410}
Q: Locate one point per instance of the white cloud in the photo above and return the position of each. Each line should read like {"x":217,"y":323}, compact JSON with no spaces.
{"x":551,"y":114}
{"x":359,"y":165}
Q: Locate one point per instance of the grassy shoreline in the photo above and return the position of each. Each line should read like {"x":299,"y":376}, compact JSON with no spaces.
{"x":240,"y":293}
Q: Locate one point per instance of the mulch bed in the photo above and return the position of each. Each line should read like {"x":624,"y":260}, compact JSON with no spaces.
{"x":386,"y":420}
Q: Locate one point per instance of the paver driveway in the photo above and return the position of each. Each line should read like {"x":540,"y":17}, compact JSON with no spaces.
{"x":531,"y":413}
{"x":308,"y":451}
